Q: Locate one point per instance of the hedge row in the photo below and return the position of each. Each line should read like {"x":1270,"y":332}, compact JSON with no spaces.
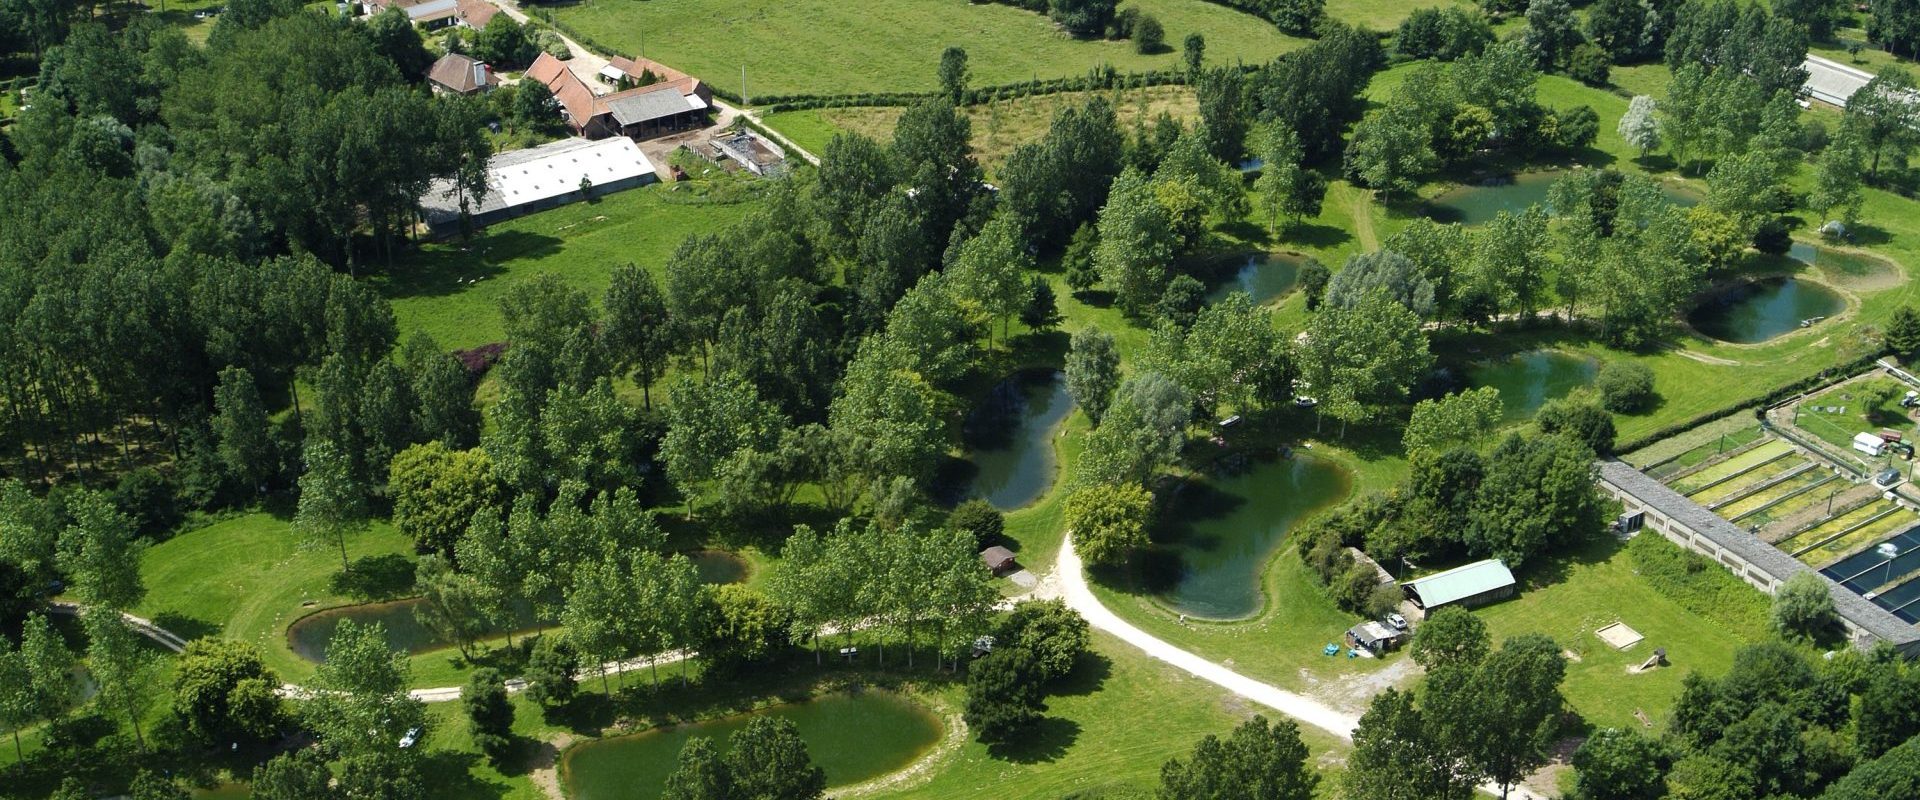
{"x":1097,"y":80}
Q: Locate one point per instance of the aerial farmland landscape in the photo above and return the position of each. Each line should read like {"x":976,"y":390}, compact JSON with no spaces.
{"x":940,"y":399}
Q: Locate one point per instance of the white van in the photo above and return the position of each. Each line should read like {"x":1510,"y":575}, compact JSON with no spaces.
{"x":1869,"y":443}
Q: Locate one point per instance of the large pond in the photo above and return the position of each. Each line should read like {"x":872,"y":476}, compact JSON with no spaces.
{"x":308,"y":635}
{"x":1528,"y":380}
{"x":1478,"y":205}
{"x":1755,"y":311}
{"x":1222,"y":531}
{"x":853,"y":737}
{"x":1264,"y":276}
{"x":1010,"y":438}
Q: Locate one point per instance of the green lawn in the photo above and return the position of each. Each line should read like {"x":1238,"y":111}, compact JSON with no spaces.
{"x":1568,"y":598}
{"x":1107,"y":736}
{"x":824,"y":47}
{"x":249,"y":577}
{"x":582,"y":242}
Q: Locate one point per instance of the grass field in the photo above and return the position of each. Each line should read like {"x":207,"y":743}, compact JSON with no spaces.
{"x":248,"y":577}
{"x":1108,"y":739}
{"x":998,"y":127}
{"x":1570,"y":597}
{"x":582,"y":243}
{"x":824,"y":47}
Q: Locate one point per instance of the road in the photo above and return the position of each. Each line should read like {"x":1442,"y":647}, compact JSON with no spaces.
{"x":1074,"y":591}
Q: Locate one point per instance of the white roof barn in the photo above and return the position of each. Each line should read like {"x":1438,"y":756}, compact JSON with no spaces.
{"x":520,"y":181}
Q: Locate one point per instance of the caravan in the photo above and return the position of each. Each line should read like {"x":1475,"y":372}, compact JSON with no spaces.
{"x":1869,"y":443}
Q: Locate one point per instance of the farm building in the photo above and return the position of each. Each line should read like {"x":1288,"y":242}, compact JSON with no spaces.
{"x":1373,"y":637}
{"x":523,"y":181}
{"x":428,"y":14}
{"x":641,"y":112}
{"x":998,"y":559}
{"x":458,"y":74}
{"x":1474,"y":584}
{"x":474,"y":14}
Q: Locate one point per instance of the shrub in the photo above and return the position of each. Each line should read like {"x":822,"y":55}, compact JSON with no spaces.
{"x":1580,"y":420}
{"x":1589,"y":65}
{"x":1148,"y":36}
{"x":1625,"y":387}
{"x":980,"y":520}
{"x":1699,"y":585}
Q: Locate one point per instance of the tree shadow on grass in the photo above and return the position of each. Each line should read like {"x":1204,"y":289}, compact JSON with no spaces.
{"x":1043,"y":742}
{"x":1554,"y":568}
{"x":1089,"y":675}
{"x":185,"y":627}
{"x":1315,"y":235}
{"x":452,"y":268}
{"x":449,"y":775}
{"x":382,"y":577}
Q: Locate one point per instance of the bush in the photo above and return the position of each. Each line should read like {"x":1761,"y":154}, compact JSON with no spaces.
{"x":1582,"y":421}
{"x":980,"y":520}
{"x":1054,"y":635}
{"x":1803,"y":609}
{"x":1589,"y":65}
{"x":1772,"y":237}
{"x":1625,"y":387}
{"x":1148,"y":36}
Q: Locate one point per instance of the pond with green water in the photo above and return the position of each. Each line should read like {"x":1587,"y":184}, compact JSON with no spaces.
{"x":308,"y":635}
{"x":1222,"y":530}
{"x":1478,"y":205}
{"x":1264,"y":277}
{"x":1528,"y":380}
{"x":1010,"y":438}
{"x":1755,"y":311}
{"x":852,"y":736}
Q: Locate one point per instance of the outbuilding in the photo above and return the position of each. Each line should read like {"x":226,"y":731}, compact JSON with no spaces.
{"x":538,"y":178}
{"x":1474,"y":584}
{"x":1373,"y":637}
{"x":999,"y":559}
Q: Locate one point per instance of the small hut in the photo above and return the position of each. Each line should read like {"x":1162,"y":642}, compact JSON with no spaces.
{"x":999,"y":560}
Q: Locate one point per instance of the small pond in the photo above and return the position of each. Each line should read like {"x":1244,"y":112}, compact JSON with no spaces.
{"x":224,"y":791}
{"x":853,"y":737}
{"x":1478,"y":205}
{"x":1528,"y":380}
{"x":1010,"y":438}
{"x":1263,"y":277}
{"x":308,"y":635}
{"x":1755,"y":311}
{"x":1843,"y":266}
{"x":719,"y":566}
{"x":1225,"y":528}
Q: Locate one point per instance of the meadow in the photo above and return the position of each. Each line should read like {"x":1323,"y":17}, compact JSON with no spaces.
{"x":823,"y":47}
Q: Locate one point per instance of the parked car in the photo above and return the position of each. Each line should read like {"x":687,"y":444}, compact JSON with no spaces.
{"x":1398,"y":622}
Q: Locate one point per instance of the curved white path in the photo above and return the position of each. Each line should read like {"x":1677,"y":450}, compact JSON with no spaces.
{"x":1077,"y":595}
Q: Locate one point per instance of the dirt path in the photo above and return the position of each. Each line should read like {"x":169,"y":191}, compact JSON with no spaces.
{"x":1313,"y":712}
{"x":544,"y":768}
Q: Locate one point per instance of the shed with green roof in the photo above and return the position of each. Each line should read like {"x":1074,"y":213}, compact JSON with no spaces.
{"x":1474,"y":584}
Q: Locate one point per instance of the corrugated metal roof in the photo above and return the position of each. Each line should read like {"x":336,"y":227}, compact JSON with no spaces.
{"x":1832,"y":82}
{"x":645,"y":106}
{"x":521,"y":177}
{"x":1461,"y":582}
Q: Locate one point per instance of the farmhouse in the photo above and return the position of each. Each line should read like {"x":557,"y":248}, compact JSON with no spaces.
{"x":474,"y":14}
{"x":1474,"y":584}
{"x":522,"y":181}
{"x":641,"y":112}
{"x":1651,"y":505}
{"x":458,"y":74}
